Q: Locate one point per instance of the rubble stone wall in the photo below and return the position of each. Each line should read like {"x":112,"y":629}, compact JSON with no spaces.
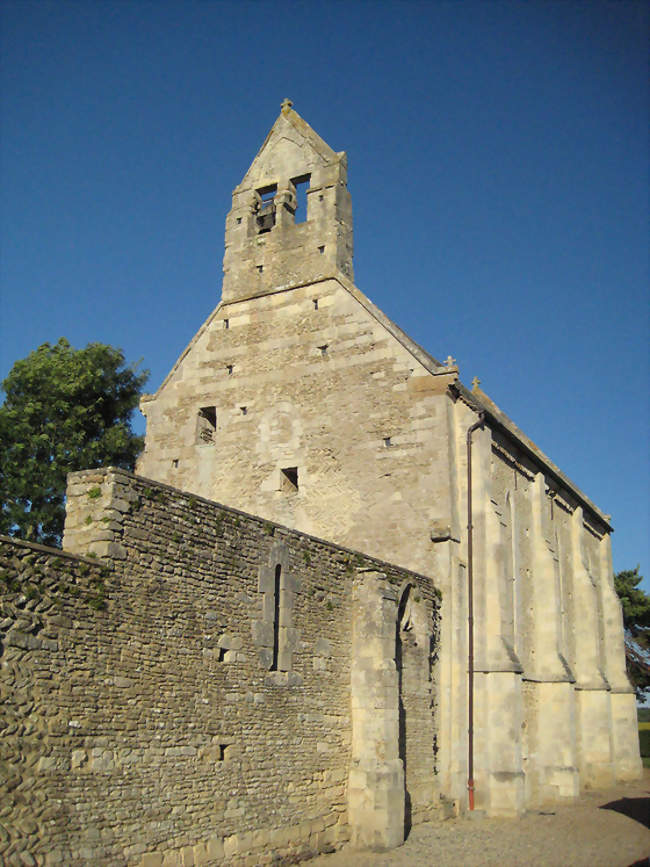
{"x":50,"y":615}
{"x":182,"y":694}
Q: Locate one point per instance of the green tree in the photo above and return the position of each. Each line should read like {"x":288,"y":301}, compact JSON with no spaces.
{"x":636,"y":621}
{"x":65,"y":409}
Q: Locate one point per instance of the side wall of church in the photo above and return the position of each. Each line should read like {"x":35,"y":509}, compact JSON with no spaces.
{"x":183,"y":694}
{"x":554,"y":710}
{"x":309,"y":379}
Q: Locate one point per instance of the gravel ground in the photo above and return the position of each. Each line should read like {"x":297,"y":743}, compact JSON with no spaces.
{"x":583,"y":834}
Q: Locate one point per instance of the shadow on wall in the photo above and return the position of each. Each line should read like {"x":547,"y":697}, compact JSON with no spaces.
{"x":634,"y":808}
{"x":402,"y":710}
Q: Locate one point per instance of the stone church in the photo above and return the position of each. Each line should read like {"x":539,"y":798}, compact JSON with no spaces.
{"x":300,"y":401}
{"x":344,"y":593}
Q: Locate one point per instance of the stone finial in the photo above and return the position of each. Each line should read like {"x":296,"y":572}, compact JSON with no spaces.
{"x":286,"y":105}
{"x":475,"y":383}
{"x":449,"y":361}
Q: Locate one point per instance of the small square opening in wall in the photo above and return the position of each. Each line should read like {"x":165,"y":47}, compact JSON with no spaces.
{"x":175,"y":463}
{"x":387,"y":442}
{"x":321,"y":249}
{"x":209,"y":413}
{"x":206,"y":424}
{"x":289,"y":479}
{"x":323,"y":349}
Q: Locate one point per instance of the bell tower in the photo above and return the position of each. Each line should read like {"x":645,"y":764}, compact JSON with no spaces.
{"x":291,"y":216}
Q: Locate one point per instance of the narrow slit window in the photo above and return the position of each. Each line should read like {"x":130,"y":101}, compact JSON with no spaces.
{"x":387,"y":442}
{"x":230,"y":368}
{"x":315,"y":303}
{"x":175,"y":463}
{"x":276,"y":617}
{"x":302,"y":185}
{"x":260,"y":268}
{"x":323,"y":349}
{"x":289,"y":479}
{"x":321,"y":249}
{"x":226,"y":324}
{"x":207,"y":424}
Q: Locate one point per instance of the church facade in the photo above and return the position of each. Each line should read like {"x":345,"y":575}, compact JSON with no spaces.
{"x":298,"y":400}
{"x":344,"y":594}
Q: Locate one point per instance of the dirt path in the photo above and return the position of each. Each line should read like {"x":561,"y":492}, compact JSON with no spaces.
{"x":588,"y":833}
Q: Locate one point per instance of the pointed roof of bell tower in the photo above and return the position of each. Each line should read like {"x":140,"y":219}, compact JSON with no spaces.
{"x":291,"y":217}
{"x":290,"y":138}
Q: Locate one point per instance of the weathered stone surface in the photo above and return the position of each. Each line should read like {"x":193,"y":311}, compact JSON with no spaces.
{"x":329,"y":419}
{"x":229,"y":689}
{"x":135,"y":715}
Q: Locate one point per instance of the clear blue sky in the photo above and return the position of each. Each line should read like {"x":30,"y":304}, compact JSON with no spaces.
{"x":498,"y":168}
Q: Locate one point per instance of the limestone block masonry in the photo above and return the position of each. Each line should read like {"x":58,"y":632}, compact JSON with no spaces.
{"x":177,"y":683}
{"x":300,"y":401}
{"x":189,"y":683}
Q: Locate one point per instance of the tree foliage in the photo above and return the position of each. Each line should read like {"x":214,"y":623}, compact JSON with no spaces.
{"x":65,"y":409}
{"x":636,"y":621}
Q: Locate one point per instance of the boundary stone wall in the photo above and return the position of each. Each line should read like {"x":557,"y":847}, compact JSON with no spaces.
{"x":50,"y":605}
{"x":182,"y":695}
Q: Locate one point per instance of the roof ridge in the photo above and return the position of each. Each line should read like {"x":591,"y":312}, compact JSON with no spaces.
{"x":317,"y":142}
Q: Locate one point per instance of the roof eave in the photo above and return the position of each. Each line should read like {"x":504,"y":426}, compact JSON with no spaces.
{"x":497,"y":419}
